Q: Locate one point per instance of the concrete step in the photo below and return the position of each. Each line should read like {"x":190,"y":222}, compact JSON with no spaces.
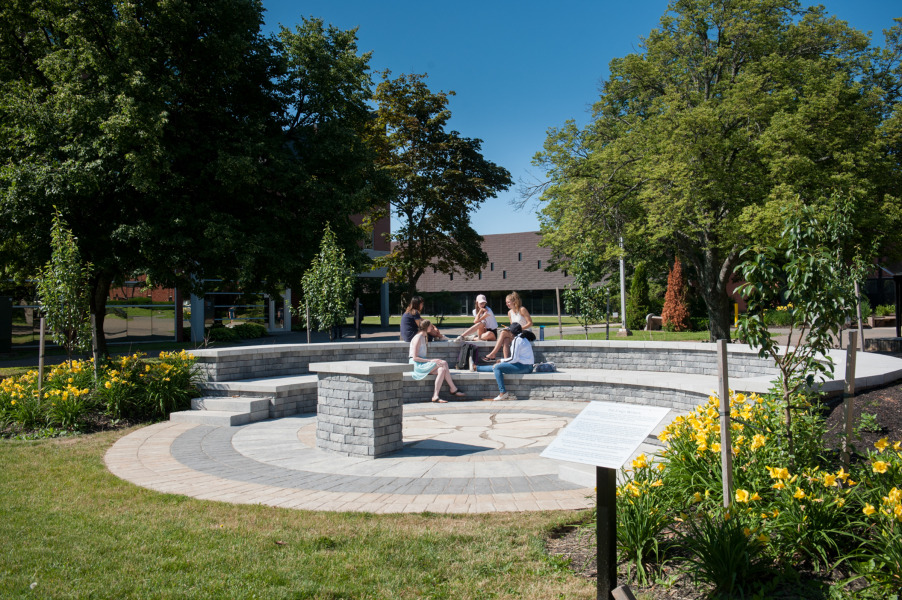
{"x":218,"y":418}
{"x":231,"y":404}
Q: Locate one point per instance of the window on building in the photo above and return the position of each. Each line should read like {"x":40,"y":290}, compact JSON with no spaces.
{"x":565,"y":272}
{"x":480,"y":275}
{"x":491,"y":266}
{"x":540,"y":264}
{"x":519,"y":256}
{"x":452,"y":276}
{"x":503,"y":274}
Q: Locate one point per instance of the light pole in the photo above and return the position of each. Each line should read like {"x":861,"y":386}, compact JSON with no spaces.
{"x":624,"y":328}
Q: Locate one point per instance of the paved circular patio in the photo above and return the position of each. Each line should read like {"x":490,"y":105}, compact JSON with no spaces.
{"x":460,"y":457}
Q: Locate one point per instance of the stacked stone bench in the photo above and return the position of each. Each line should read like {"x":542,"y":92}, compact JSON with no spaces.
{"x":677,"y":375}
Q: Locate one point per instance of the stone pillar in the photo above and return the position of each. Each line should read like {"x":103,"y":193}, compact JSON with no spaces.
{"x":359,"y":407}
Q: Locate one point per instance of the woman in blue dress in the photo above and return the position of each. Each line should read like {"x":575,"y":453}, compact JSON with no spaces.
{"x":423,"y":366}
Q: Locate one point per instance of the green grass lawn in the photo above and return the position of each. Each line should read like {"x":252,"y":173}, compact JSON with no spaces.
{"x":645,"y":336}
{"x":76,"y":531}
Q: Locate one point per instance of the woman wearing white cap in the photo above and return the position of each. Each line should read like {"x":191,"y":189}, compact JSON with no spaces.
{"x":485,"y":327}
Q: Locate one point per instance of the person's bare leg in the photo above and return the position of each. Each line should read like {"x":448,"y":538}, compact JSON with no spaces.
{"x":504,"y":335}
{"x":440,"y":373}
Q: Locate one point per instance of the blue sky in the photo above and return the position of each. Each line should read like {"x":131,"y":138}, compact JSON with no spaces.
{"x":518,"y":68}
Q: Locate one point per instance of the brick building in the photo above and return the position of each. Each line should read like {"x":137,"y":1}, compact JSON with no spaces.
{"x":516,"y":263}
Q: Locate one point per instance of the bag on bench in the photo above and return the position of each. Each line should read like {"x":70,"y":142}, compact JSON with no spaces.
{"x":545,"y":367}
{"x":466,"y":352}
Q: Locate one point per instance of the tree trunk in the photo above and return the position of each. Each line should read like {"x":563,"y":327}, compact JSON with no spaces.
{"x":100,"y":283}
{"x":713,"y":274}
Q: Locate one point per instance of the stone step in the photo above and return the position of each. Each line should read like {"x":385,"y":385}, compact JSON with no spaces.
{"x":218,"y":418}
{"x":232,"y":404}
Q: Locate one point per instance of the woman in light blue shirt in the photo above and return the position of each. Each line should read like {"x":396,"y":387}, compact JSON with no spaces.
{"x":521,"y":361}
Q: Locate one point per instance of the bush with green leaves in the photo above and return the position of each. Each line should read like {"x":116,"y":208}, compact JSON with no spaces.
{"x":638,"y":305}
{"x":884,"y":310}
{"x":786,"y":509}
{"x":128,"y":388}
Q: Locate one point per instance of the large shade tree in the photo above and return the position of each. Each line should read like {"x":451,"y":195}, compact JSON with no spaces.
{"x":177,"y":140}
{"x":440,"y":179}
{"x":732,"y":109}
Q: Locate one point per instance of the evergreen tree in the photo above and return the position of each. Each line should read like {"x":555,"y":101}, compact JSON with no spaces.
{"x":675,"y":315}
{"x":637,"y":303}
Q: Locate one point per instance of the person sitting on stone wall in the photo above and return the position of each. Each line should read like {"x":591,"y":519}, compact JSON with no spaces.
{"x":410,"y":322}
{"x":521,"y":361}
{"x":518,"y":314}
{"x":484,"y":327}
{"x":423,"y":366}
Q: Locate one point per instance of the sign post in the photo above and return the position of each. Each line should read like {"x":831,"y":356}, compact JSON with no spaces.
{"x":726,"y":443}
{"x":605,"y":434}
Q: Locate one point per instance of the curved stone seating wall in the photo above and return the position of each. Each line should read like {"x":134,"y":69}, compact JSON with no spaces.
{"x":558,"y":387}
{"x":675,"y":375}
{"x":245,"y":362}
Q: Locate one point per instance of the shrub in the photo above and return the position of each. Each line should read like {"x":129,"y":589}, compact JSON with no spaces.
{"x":638,"y":305}
{"x":223,"y":334}
{"x":675,"y":316}
{"x":129,"y":387}
{"x":885,"y":310}
{"x":250,"y":330}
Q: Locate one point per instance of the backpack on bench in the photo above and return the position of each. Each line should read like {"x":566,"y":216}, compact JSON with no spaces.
{"x":467,"y":352}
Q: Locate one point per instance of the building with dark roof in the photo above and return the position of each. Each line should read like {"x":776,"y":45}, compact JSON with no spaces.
{"x":516,"y":263}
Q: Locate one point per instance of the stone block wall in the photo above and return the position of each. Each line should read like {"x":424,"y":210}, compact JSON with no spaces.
{"x":230,"y":364}
{"x":359,"y":416}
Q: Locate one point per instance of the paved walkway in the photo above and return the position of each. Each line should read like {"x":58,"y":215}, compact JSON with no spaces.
{"x":460,"y":457}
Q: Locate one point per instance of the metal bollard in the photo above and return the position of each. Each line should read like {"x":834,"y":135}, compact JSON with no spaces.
{"x":541,"y":333}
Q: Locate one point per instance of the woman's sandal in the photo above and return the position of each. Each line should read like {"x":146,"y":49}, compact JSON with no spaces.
{"x":458,"y":393}
{"x":440,"y":401}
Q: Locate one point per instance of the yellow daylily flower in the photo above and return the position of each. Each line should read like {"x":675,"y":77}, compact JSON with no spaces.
{"x":879,"y":466}
{"x":881,"y":445}
{"x":799,"y":493}
{"x":742,"y":496}
{"x":868,"y":510}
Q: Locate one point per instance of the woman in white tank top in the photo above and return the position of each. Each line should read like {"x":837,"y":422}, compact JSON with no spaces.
{"x":517,"y":313}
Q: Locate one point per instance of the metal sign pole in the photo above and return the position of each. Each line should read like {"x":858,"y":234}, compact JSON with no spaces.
{"x":41,"y":360}
{"x":606,"y":531}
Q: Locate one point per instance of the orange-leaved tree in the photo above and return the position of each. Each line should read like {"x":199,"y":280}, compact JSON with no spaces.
{"x":675,"y":316}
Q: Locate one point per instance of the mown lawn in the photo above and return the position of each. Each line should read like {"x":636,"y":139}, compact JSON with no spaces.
{"x":73,"y":530}
{"x":643,"y":336}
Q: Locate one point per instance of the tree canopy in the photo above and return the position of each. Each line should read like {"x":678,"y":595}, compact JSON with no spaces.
{"x":178,"y":141}
{"x":440,"y":179}
{"x":732,"y":110}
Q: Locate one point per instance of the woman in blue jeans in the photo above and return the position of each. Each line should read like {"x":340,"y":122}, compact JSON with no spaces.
{"x":521,"y":361}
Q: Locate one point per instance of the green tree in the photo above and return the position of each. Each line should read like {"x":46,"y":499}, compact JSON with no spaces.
{"x":440,"y":179}
{"x":732,"y":110}
{"x":178,"y":141}
{"x":329,"y":286}
{"x":584,"y":300}
{"x":63,"y":291}
{"x":804,"y":272}
{"x":638,"y":305}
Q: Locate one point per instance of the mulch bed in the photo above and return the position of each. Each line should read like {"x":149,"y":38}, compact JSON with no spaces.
{"x":578,"y":542}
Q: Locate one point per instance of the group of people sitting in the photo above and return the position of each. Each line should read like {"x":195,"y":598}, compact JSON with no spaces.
{"x":513,"y":342}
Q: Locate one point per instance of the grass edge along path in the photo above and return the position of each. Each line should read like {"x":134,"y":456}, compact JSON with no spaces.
{"x":74,"y":530}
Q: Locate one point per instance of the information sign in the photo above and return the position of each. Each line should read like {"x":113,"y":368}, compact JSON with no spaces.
{"x":605,"y":434}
